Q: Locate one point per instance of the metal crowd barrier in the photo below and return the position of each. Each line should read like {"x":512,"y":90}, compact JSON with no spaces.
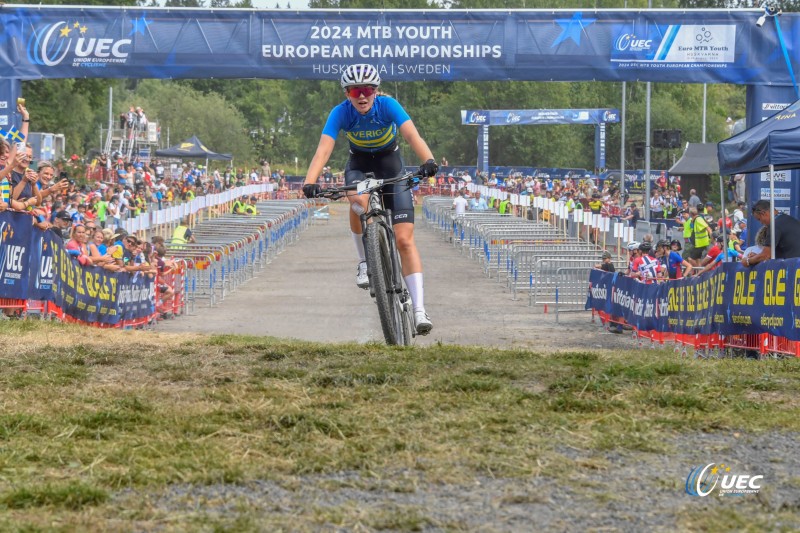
{"x":232,"y":248}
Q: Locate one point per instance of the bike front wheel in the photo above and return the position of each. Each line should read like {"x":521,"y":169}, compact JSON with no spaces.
{"x":381,"y":281}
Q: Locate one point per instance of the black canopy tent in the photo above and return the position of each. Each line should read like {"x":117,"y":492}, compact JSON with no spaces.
{"x":773,"y":144}
{"x":192,"y":148}
{"x":698,"y":162}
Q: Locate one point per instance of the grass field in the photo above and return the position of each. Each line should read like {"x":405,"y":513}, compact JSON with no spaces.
{"x":113,"y":430}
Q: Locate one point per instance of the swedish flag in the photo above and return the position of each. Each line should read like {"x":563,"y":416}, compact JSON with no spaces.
{"x":13,"y":135}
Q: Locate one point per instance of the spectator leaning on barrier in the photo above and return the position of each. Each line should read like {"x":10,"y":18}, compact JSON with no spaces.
{"x":77,"y":246}
{"x":787,"y":234}
{"x":61,"y":225}
{"x":23,"y":178}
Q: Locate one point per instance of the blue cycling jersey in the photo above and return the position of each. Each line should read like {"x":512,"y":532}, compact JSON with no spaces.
{"x":372,"y":132}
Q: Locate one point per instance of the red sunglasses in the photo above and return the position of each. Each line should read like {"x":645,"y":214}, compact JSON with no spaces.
{"x":366,"y":90}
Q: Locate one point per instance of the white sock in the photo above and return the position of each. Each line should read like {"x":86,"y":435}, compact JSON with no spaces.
{"x":414,"y":282}
{"x":359,"y":242}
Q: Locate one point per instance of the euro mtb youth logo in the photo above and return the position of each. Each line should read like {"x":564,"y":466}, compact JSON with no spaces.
{"x":75,"y":43}
{"x":702,"y":481}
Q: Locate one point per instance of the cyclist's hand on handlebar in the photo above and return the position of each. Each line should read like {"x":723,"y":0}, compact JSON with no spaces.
{"x":428,"y":168}
{"x":311,"y":190}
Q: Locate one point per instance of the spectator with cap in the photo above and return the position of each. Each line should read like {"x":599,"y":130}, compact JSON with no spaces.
{"x":62,"y":224}
{"x":606,"y":264}
{"x":250,"y":207}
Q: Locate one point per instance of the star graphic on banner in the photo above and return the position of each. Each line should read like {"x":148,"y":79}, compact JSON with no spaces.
{"x":76,"y":25}
{"x":65,"y":31}
{"x":139,"y":25}
{"x":572,"y":29}
{"x":83,"y":30}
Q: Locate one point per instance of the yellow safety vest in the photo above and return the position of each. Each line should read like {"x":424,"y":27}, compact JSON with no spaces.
{"x":179,"y":235}
{"x":503,"y":207}
{"x":687,"y":229}
{"x":701,"y":237}
{"x":237,"y":207}
{"x":250,"y":210}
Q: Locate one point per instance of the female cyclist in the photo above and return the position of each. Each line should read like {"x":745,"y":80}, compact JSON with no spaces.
{"x":371,"y":123}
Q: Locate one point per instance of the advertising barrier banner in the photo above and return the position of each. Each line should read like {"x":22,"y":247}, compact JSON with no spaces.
{"x":730,"y":300}
{"x":34,"y":265}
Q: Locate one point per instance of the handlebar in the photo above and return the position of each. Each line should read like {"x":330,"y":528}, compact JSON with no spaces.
{"x":369,"y":184}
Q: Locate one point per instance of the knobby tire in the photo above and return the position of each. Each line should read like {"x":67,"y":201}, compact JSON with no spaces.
{"x":379,"y":270}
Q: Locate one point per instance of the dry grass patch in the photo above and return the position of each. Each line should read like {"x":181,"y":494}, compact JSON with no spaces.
{"x":87,"y":414}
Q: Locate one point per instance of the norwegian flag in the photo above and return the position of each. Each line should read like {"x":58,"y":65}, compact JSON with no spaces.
{"x":649,"y":268}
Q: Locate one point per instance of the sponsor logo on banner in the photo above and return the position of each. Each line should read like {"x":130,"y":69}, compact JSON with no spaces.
{"x":629,"y":42}
{"x":766,"y":106}
{"x":3,"y":104}
{"x":74,"y":42}
{"x":3,"y":120}
{"x":475,"y":117}
{"x":700,"y":44}
{"x":780,"y":194}
{"x":703,"y":480}
{"x":610,"y":116}
{"x":778,"y":175}
{"x":513,"y":118}
{"x":14,"y":244}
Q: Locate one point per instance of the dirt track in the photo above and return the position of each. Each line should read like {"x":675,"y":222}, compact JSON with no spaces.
{"x":308,"y":292}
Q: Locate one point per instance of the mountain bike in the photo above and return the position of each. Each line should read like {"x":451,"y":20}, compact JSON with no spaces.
{"x":386,"y":282}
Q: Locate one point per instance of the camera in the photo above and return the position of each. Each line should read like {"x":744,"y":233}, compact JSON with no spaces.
{"x":770,"y":10}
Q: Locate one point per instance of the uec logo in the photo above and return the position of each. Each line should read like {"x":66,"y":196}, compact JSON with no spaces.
{"x":701,"y":481}
{"x":629,"y":42}
{"x":477,"y":118}
{"x":51,"y":44}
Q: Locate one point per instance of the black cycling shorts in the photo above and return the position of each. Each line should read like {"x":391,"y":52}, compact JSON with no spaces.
{"x":386,"y":164}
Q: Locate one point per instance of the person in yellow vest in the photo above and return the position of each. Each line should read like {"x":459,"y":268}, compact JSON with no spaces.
{"x":699,"y":236}
{"x":250,"y":209}
{"x":686,"y":221}
{"x":190,"y":195}
{"x":182,"y":233}
{"x":505,"y":206}
{"x":569,"y":202}
{"x":238,"y":207}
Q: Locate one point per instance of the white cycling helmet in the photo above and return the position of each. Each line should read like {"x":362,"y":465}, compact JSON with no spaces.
{"x":633,"y":245}
{"x":360,"y":74}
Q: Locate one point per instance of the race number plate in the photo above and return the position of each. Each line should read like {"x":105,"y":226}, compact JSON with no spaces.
{"x":367,"y":185}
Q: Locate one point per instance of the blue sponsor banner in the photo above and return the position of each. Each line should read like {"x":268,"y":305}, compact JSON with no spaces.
{"x":534,"y":117}
{"x":34,"y":265}
{"x":731,"y":300}
{"x":694,"y":46}
{"x":16,"y":230}
{"x":42,"y":273}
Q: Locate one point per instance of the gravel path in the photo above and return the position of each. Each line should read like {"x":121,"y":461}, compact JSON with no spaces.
{"x":309,"y":293}
{"x":620,"y":492}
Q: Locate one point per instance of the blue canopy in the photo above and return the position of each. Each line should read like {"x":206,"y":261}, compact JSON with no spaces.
{"x":775,"y":141}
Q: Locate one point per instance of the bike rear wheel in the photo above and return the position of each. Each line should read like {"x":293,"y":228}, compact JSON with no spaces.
{"x":381,"y":282}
